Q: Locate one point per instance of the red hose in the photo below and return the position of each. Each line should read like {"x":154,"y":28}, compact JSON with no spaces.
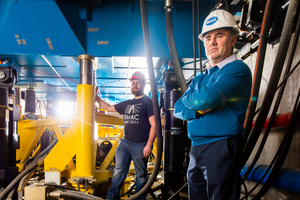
{"x":282,"y":120}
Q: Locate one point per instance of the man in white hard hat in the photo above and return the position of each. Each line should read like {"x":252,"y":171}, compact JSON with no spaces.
{"x":214,"y":107}
{"x":139,"y":134}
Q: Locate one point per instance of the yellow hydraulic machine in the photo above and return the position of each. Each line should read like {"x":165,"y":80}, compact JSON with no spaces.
{"x":74,"y":155}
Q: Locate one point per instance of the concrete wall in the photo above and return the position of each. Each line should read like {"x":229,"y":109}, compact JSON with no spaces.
{"x":287,"y":103}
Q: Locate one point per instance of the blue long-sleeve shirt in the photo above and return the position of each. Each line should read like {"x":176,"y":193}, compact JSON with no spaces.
{"x":226,"y":91}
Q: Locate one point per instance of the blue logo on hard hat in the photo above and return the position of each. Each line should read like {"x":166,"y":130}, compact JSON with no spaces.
{"x":211,"y":21}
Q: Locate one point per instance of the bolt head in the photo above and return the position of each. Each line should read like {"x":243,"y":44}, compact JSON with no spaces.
{"x":2,"y":75}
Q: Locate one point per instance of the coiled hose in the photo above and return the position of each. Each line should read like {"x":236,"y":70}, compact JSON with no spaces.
{"x":143,"y":7}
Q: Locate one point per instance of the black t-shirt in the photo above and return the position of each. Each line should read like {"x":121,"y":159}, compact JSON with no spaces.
{"x":136,"y":113}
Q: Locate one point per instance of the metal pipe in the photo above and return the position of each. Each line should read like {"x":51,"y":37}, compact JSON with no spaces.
{"x":86,"y":69}
{"x":18,"y":96}
{"x":169,"y":4}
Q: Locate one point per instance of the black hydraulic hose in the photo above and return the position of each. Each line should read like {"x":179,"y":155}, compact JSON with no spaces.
{"x":18,"y":178}
{"x":178,"y":191}
{"x":284,"y":80}
{"x":62,"y":187}
{"x":73,"y":195}
{"x":226,"y":5}
{"x":275,"y":75}
{"x":146,"y":34}
{"x":246,"y":191}
{"x":194,"y":35}
{"x":266,"y":25}
{"x":267,"y":170}
{"x":20,"y":195}
{"x":199,"y":43}
{"x":172,"y":47}
{"x":278,"y":100}
{"x":279,"y":162}
{"x":31,"y":166}
{"x":288,"y":75}
{"x":129,"y":190}
{"x":11,"y":194}
{"x":283,"y":147}
{"x":46,"y":150}
{"x":26,"y":162}
{"x":280,"y":149}
{"x":23,"y":183}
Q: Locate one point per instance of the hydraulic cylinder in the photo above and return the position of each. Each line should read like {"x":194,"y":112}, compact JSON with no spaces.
{"x":86,"y":136}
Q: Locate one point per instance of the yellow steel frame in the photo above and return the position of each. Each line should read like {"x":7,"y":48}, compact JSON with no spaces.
{"x":80,"y":139}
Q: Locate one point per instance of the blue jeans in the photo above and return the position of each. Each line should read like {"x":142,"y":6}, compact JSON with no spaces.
{"x":125,"y":153}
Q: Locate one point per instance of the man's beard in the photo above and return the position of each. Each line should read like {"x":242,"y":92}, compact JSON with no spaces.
{"x":137,"y":92}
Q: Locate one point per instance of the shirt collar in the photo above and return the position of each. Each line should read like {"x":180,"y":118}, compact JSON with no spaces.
{"x":225,"y":61}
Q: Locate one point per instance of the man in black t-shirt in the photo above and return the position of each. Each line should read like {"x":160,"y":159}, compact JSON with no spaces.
{"x":139,"y":134}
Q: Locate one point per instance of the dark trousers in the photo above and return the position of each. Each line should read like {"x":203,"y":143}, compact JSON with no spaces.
{"x":214,"y":170}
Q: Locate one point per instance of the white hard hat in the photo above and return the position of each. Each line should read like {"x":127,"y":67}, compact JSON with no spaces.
{"x":218,"y":19}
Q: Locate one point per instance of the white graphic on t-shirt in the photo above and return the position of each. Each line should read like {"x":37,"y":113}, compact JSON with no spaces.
{"x":131,"y":115}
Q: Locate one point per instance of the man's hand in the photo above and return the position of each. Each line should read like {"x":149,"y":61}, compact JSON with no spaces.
{"x":104,"y":105}
{"x":199,"y":113}
{"x":98,"y":99}
{"x":147,"y":151}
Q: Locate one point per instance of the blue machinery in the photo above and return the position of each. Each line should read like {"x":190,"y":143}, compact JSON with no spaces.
{"x":45,"y":36}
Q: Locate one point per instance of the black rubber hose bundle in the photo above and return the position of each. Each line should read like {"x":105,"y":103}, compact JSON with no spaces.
{"x":23,"y":183}
{"x":18,"y":178}
{"x":32,"y":165}
{"x":266,"y":25}
{"x":194,"y":35}
{"x":278,"y":100}
{"x":199,"y":43}
{"x":274,"y":79}
{"x":282,"y":154}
